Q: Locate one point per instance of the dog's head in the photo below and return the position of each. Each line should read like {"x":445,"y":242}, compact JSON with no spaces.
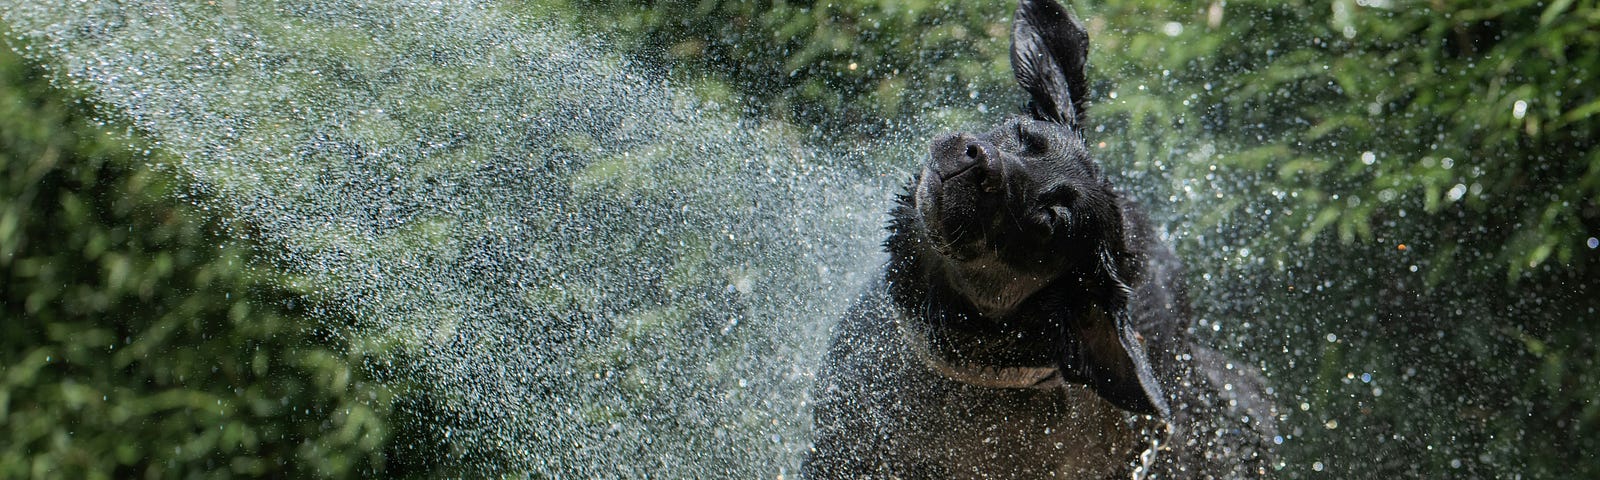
{"x":1023,"y":214}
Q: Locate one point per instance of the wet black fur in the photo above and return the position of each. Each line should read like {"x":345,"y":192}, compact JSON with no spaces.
{"x":1013,"y":252}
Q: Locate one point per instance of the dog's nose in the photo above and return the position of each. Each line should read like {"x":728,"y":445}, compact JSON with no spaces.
{"x":956,"y":154}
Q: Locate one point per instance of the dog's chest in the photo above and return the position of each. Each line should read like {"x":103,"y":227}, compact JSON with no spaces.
{"x":883,"y":412}
{"x":964,"y":431}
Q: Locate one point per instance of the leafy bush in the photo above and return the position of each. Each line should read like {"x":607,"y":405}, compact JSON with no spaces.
{"x":855,"y":66}
{"x":139,"y":342}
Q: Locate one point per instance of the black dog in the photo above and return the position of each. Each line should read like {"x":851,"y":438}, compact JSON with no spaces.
{"x":1009,"y":335}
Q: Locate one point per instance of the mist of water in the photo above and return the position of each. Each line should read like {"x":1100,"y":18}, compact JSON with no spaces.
{"x":598,"y":273}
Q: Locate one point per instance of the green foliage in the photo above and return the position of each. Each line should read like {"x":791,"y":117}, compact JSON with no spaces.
{"x":137,"y":341}
{"x":1473,"y":116}
{"x":1369,"y":184}
{"x":845,"y":66}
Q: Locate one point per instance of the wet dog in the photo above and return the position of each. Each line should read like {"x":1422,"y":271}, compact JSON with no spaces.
{"x":1029,"y":323}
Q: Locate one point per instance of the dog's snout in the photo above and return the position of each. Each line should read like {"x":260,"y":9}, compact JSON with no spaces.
{"x":957,"y":154}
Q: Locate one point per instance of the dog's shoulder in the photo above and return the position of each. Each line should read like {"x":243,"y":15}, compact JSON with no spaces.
{"x":864,"y":344}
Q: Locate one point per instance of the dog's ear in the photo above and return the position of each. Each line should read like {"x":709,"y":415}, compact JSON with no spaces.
{"x":1048,"y":52}
{"x":1103,"y":351}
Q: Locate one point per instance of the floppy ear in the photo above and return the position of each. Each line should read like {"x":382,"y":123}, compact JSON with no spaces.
{"x":1048,"y":52}
{"x":1102,"y":351}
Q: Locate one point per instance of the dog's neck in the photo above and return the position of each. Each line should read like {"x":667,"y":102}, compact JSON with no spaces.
{"x":993,"y":288}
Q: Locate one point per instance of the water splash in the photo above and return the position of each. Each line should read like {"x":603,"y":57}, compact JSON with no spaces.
{"x":602,"y":275}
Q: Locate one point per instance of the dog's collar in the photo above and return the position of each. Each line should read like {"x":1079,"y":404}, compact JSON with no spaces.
{"x":920,"y":339}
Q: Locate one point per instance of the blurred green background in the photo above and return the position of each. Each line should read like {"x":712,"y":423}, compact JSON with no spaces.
{"x":1391,"y":206}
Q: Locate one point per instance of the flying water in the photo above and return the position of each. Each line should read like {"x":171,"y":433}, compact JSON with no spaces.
{"x":596,"y":273}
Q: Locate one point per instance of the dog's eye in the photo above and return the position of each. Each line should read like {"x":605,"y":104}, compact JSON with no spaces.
{"x":1032,"y":141}
{"x":1061,"y":196}
{"x":1061,"y":215}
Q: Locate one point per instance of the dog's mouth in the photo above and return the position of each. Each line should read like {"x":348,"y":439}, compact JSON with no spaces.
{"x":952,"y":210}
